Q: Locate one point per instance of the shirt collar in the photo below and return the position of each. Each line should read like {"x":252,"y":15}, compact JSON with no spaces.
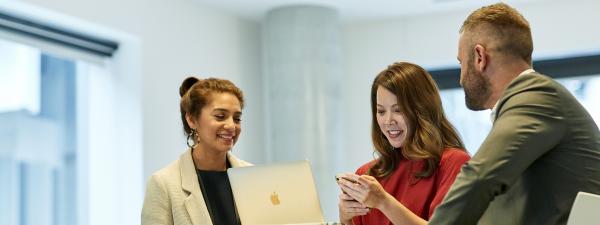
{"x":495,"y":108}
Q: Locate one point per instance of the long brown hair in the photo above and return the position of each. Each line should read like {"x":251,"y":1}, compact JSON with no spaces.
{"x":429,"y":132}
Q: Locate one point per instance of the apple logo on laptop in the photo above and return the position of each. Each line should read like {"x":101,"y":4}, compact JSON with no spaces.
{"x":275,"y":199}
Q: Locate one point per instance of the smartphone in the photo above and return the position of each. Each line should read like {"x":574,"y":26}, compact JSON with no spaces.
{"x":341,"y":176}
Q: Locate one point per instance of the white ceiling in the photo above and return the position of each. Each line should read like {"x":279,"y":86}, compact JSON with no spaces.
{"x":351,"y":10}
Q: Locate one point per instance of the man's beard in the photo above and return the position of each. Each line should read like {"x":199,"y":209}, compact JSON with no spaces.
{"x":477,"y":89}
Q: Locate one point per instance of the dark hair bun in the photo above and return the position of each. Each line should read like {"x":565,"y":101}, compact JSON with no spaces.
{"x":186,"y":85}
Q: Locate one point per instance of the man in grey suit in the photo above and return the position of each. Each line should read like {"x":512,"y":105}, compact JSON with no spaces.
{"x":543,"y":148}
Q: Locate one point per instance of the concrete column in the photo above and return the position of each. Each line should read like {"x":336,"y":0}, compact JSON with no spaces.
{"x":302,"y":78}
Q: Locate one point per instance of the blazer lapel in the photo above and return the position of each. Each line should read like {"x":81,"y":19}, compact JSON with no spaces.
{"x":194,"y":203}
{"x":514,"y":87}
{"x":233,"y":161}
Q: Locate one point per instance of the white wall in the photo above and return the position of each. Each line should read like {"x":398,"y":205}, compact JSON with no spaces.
{"x":180,"y":38}
{"x":559,"y":28}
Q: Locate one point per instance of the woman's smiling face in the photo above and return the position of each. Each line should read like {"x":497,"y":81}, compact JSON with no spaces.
{"x":390,"y":118}
{"x":219,"y":125}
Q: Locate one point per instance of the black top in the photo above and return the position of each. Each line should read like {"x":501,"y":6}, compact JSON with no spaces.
{"x":218,"y":197}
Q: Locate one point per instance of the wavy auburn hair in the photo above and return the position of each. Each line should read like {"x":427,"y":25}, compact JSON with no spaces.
{"x":429,"y":132}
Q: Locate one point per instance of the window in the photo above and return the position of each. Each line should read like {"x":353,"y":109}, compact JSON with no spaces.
{"x":70,"y":123}
{"x":474,"y":126}
{"x":38,"y":154}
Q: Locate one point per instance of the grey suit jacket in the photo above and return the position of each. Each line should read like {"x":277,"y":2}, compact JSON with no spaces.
{"x":542,"y":149}
{"x":173,"y":195}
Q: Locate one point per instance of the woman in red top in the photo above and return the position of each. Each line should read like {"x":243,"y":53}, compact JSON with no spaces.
{"x":420,"y":153}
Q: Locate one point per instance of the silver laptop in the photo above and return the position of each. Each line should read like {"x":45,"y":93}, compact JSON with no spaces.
{"x":280,"y":193}
{"x":585,"y":209}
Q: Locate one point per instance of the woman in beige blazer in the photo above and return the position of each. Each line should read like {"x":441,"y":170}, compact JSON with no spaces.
{"x":195,"y":188}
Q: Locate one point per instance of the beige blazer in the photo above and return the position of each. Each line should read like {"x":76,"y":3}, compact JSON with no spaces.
{"x":173,"y":195}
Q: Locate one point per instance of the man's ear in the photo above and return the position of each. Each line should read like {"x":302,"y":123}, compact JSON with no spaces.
{"x":481,"y":57}
{"x":190,"y":121}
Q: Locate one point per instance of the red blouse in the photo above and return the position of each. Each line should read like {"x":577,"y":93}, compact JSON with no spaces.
{"x":421,"y":197}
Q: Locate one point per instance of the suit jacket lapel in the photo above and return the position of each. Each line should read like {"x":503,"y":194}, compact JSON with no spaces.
{"x":194,"y":203}
{"x":514,"y":87}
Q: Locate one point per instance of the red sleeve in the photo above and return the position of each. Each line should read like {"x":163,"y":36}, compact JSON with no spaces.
{"x":356,"y":220}
{"x":363,"y":169}
{"x":450,"y":164}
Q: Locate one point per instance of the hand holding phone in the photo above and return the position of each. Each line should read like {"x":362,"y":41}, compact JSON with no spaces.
{"x":349,"y":207}
{"x":344,"y":176}
{"x":347,"y":177}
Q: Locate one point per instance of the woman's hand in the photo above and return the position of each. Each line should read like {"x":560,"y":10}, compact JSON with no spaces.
{"x":364,"y":189}
{"x":368,"y":192}
{"x":350,"y":208}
